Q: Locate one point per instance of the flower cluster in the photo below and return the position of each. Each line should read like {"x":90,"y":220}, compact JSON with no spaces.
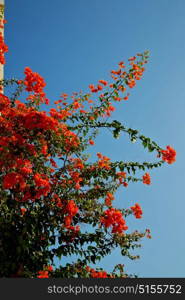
{"x":113,"y":217}
{"x":130,"y":77}
{"x":103,"y":162}
{"x":43,"y":186}
{"x":146,"y":178}
{"x":109,"y":198}
{"x":96,"y":274}
{"x":3,"y":46}
{"x":169,"y":155}
{"x":122,"y":81}
{"x":23,"y":211}
{"x":11,"y":180}
{"x":3,"y":49}
{"x":121,"y":177}
{"x":45,"y":272}
{"x":71,"y":210}
{"x":137,"y":211}
{"x":35,"y":83}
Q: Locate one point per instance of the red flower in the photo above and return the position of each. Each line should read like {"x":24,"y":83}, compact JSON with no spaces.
{"x":3,"y":49}
{"x":49,"y":268}
{"x":88,"y":269}
{"x":53,"y":163}
{"x":91,"y":142}
{"x":132,"y":58}
{"x":33,"y":81}
{"x":103,"y":82}
{"x":169,"y":155}
{"x":113,"y":217}
{"x":93,"y":89}
{"x":77,"y":164}
{"x":72,"y":209}
{"x":137,"y":211}
{"x":41,"y":180}
{"x":104,"y":162}
{"x":23,"y":210}
{"x":146,"y":179}
{"x":4,"y":102}
{"x":121,"y":64}
{"x":67,"y":221}
{"x":99,"y":87}
{"x":121,"y":177}
{"x":43,"y":274}
{"x":12,"y":179}
{"x":109,"y":198}
{"x":98,"y":274}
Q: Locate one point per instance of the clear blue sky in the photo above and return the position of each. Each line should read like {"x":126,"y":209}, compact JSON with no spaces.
{"x":74,"y":43}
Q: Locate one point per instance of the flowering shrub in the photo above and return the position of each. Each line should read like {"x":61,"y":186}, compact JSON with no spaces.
{"x":49,"y":188}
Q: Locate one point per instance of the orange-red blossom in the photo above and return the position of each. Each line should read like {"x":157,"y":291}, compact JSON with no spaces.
{"x":146,"y":178}
{"x":113,"y":218}
{"x":169,"y":155}
{"x":137,"y":211}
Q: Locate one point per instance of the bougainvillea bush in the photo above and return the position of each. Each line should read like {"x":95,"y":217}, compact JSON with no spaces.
{"x":50,"y":189}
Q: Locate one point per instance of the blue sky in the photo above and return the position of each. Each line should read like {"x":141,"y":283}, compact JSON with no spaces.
{"x":75,"y":43}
